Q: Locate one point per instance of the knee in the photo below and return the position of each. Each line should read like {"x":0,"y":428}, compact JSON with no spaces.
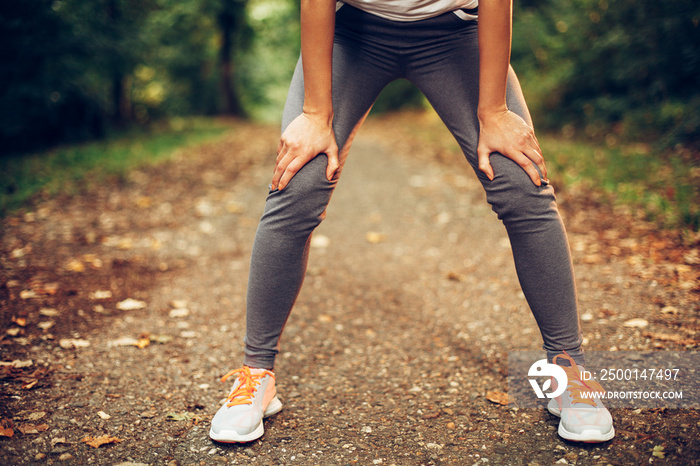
{"x":301,"y":206}
{"x":517,"y":201}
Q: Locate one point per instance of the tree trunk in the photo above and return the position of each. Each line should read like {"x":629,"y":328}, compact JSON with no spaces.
{"x":120,"y":105}
{"x":227,"y":23}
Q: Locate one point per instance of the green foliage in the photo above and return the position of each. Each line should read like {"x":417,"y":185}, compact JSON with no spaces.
{"x":265,"y":69}
{"x":663,"y":189}
{"x":399,"y":94}
{"x":66,"y":169}
{"x":63,"y":68}
{"x":629,"y":67}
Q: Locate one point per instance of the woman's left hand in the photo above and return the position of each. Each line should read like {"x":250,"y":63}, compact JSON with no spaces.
{"x":508,"y":134}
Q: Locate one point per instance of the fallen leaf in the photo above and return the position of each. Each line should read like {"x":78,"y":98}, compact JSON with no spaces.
{"x":320,"y":241}
{"x":161,"y":338}
{"x":636,"y":323}
{"x":375,"y":238}
{"x":144,"y":202}
{"x":18,"y":253}
{"x":497,"y":397}
{"x":17,"y":363}
{"x":49,"y":288}
{"x":36,"y":416}
{"x":32,"y":429}
{"x":21,"y":321}
{"x":143,"y":342}
{"x":101,"y":294}
{"x":75,"y":266}
{"x":179,"y":312}
{"x":130,"y":304}
{"x":659,"y":451}
{"x":178,"y":303}
{"x":99,"y":441}
{"x":186,"y":416}
{"x":69,"y":343}
{"x":46,"y":325}
{"x":663,"y":336}
{"x":57,"y":440}
{"x":48,"y":312}
{"x":6,"y":428}
{"x":27,"y":294}
{"x":30,"y":384}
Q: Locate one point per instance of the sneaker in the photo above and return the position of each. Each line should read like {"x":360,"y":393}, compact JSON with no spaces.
{"x":253,"y":397}
{"x":582,"y":419}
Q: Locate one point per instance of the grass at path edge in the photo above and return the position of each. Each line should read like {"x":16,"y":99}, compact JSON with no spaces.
{"x":67,"y":169}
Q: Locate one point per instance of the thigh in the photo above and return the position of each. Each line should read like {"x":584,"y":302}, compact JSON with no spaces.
{"x":449,"y":78}
{"x":357,"y":81}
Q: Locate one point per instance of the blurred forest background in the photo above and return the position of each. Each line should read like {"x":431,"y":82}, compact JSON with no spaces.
{"x":607,"y":71}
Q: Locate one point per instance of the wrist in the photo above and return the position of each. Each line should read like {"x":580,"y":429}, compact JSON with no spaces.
{"x":323,"y":115}
{"x":487,"y":112}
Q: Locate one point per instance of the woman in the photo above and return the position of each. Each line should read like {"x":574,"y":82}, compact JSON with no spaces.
{"x":349,"y":52}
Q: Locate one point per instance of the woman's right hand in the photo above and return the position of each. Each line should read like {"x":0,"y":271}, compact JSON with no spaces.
{"x":307,"y":136}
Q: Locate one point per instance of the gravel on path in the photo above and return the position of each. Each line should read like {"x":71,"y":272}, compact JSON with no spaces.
{"x":122,"y":307}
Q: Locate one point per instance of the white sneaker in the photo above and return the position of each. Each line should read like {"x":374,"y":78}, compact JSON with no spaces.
{"x":582,"y":419}
{"x":253,"y":397}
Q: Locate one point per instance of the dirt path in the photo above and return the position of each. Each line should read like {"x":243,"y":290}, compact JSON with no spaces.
{"x":404,"y":323}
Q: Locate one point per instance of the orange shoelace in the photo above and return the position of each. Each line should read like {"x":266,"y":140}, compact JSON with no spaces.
{"x":247,"y":385}
{"x":576,"y":384}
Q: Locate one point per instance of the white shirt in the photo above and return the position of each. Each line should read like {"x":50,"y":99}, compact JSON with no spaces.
{"x":413,"y":10}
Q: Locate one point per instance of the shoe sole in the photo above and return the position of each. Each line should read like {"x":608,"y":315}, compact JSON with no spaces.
{"x":587,"y":436}
{"x":231,"y":436}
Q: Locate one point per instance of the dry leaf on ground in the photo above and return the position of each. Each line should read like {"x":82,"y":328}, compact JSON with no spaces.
{"x":6,"y":428}
{"x":99,"y":441}
{"x":636,"y":323}
{"x":68,"y":343}
{"x":497,"y":397}
{"x":101,"y":294}
{"x":18,"y":364}
{"x":375,"y":238}
{"x":186,"y":416}
{"x":130,"y":304}
{"x":21,"y":321}
{"x":33,"y":429}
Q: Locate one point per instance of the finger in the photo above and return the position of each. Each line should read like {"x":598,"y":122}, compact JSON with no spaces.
{"x":291,"y":169}
{"x":527,"y":165}
{"x":283,"y":160}
{"x":537,"y":158}
{"x":333,"y":163}
{"x":485,"y":162}
{"x":540,"y":158}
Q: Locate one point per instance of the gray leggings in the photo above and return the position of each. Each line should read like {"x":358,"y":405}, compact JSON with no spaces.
{"x":440,"y":56}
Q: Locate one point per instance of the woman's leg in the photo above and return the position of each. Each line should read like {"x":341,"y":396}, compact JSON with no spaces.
{"x":281,"y":247}
{"x":529,"y":213}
